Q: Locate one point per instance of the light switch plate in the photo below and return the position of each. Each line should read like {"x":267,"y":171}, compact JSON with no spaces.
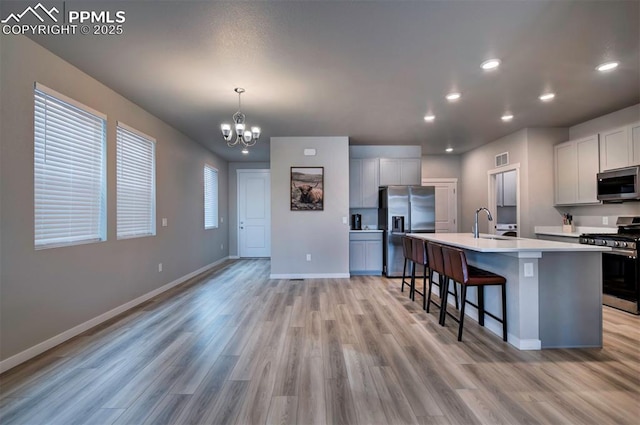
{"x":528,"y":269}
{"x":605,"y":220}
{"x":164,"y":222}
{"x":344,"y":220}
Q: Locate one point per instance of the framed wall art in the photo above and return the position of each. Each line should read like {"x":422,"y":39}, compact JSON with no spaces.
{"x":307,"y":188}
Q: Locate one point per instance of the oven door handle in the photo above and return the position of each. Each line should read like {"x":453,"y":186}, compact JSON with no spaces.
{"x":624,"y":253}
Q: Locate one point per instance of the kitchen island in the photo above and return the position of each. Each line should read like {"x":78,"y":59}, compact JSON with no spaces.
{"x":554,"y":289}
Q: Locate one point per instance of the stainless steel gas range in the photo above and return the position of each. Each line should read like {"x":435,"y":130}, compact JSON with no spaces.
{"x":620,"y":266}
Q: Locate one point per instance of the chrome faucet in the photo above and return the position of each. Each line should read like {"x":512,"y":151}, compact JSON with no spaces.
{"x":476,"y":232}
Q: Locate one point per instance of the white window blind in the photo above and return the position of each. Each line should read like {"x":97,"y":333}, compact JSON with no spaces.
{"x":69,"y":171}
{"x":135,"y":180}
{"x":210,"y":197}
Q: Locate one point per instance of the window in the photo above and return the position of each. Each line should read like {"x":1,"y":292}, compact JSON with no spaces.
{"x":69,"y":171}
{"x":135,"y":180}
{"x":210,"y":197}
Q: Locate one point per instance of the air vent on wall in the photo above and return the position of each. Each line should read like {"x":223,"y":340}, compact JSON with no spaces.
{"x":502,"y":159}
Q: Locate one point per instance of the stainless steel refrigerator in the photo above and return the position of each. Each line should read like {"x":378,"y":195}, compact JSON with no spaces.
{"x":402,"y":210}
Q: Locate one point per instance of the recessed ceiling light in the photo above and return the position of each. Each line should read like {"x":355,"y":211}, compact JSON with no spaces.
{"x":607,"y":66}
{"x":448,"y":150}
{"x":453,"y":96}
{"x":490,"y":64}
{"x":547,"y":97}
{"x":429,"y":117}
{"x":507,"y":117}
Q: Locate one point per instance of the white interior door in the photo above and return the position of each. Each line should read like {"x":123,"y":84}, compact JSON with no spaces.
{"x":446,"y":204}
{"x":254,"y":213}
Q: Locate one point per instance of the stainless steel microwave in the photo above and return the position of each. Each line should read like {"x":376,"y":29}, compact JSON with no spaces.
{"x":622,"y":184}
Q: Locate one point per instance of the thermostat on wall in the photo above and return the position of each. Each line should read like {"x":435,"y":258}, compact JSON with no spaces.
{"x":309,"y":152}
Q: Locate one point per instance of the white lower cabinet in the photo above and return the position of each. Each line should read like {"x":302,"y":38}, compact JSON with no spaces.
{"x":365,"y":253}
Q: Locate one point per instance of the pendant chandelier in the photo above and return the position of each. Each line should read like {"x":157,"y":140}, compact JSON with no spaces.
{"x":244,"y":137}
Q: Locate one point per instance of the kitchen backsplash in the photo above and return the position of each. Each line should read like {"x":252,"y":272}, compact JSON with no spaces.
{"x":369,"y":216}
{"x":592,"y":215}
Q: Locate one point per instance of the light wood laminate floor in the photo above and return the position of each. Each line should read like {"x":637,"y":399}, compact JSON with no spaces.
{"x":234,"y":347}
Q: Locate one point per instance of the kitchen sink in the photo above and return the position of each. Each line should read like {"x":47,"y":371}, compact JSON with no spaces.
{"x":499,"y":238}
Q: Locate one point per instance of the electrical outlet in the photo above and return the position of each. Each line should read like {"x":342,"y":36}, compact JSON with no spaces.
{"x":221,"y":246}
{"x":221,"y":219}
{"x":308,"y":257}
{"x":159,"y":267}
{"x":605,"y":220}
{"x":344,"y":220}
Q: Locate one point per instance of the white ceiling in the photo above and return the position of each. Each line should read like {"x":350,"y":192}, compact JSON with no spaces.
{"x":368,"y":70}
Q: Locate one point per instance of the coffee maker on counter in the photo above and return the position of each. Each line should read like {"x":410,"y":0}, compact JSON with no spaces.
{"x":356,"y":222}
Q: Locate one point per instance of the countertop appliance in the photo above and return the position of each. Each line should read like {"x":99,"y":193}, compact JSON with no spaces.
{"x":622,"y":184}
{"x":621,"y":266}
{"x":356,"y":222}
{"x":403,"y":209}
{"x":503,"y":229}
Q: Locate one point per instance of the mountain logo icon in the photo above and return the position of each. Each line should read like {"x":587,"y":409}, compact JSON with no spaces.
{"x":34,"y":11}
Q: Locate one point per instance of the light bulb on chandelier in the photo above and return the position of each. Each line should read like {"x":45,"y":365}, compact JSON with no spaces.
{"x":246,"y":138}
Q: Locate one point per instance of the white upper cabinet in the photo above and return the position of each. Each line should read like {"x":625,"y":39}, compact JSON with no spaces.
{"x":506,"y":189}
{"x":363,"y":183}
{"x":634,"y":134}
{"x":620,"y":147}
{"x":400,"y":171}
{"x":576,"y":166}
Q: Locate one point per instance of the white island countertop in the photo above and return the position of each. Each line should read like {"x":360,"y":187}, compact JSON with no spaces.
{"x":554,"y":289}
{"x":504,"y":244}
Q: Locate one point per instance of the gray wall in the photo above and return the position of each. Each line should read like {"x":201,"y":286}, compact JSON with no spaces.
{"x":49,"y":291}
{"x":540,"y":177}
{"x":233,"y":199}
{"x":610,"y":121}
{"x":591,"y":215}
{"x":383,"y":151}
{"x":441,"y":166}
{"x":319,"y":233}
{"x":474,"y":187}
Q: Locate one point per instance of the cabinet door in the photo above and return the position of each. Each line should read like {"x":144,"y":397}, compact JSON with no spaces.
{"x":566,"y":173}
{"x":634,"y":134}
{"x":615,"y":149}
{"x":410,"y":171}
{"x":509,"y":188}
{"x":389,"y":171}
{"x":373,"y":255}
{"x":370,"y":181}
{"x":588,"y":167}
{"x":500,"y":190}
{"x":357,"y":257}
{"x":355,"y":183}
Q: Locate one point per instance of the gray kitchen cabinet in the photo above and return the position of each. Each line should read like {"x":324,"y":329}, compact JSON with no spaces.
{"x":616,"y":148}
{"x":365,"y":253}
{"x":364,"y":179}
{"x":400,"y":171}
{"x":576,"y":164}
{"x":506,"y":189}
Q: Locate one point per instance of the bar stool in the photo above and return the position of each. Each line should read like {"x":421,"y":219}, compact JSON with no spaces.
{"x":456,"y":267}
{"x":419,"y":257}
{"x":407,"y":251}
{"x":436,"y":264}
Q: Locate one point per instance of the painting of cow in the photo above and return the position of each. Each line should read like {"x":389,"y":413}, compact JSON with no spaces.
{"x":307,"y":188}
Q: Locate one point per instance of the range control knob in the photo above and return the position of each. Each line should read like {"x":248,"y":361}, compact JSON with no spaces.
{"x":623,"y":244}
{"x":592,"y":241}
{"x":616,"y":244}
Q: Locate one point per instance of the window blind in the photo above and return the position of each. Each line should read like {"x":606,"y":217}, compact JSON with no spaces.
{"x":210,"y":197}
{"x":69,"y":171}
{"x":135,"y":180}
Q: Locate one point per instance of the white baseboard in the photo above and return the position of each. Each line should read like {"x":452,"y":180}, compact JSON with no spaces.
{"x":234,"y":257}
{"x":37,"y":349}
{"x":310,"y":276}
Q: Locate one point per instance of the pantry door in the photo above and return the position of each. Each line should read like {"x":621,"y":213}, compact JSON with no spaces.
{"x":254,"y":213}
